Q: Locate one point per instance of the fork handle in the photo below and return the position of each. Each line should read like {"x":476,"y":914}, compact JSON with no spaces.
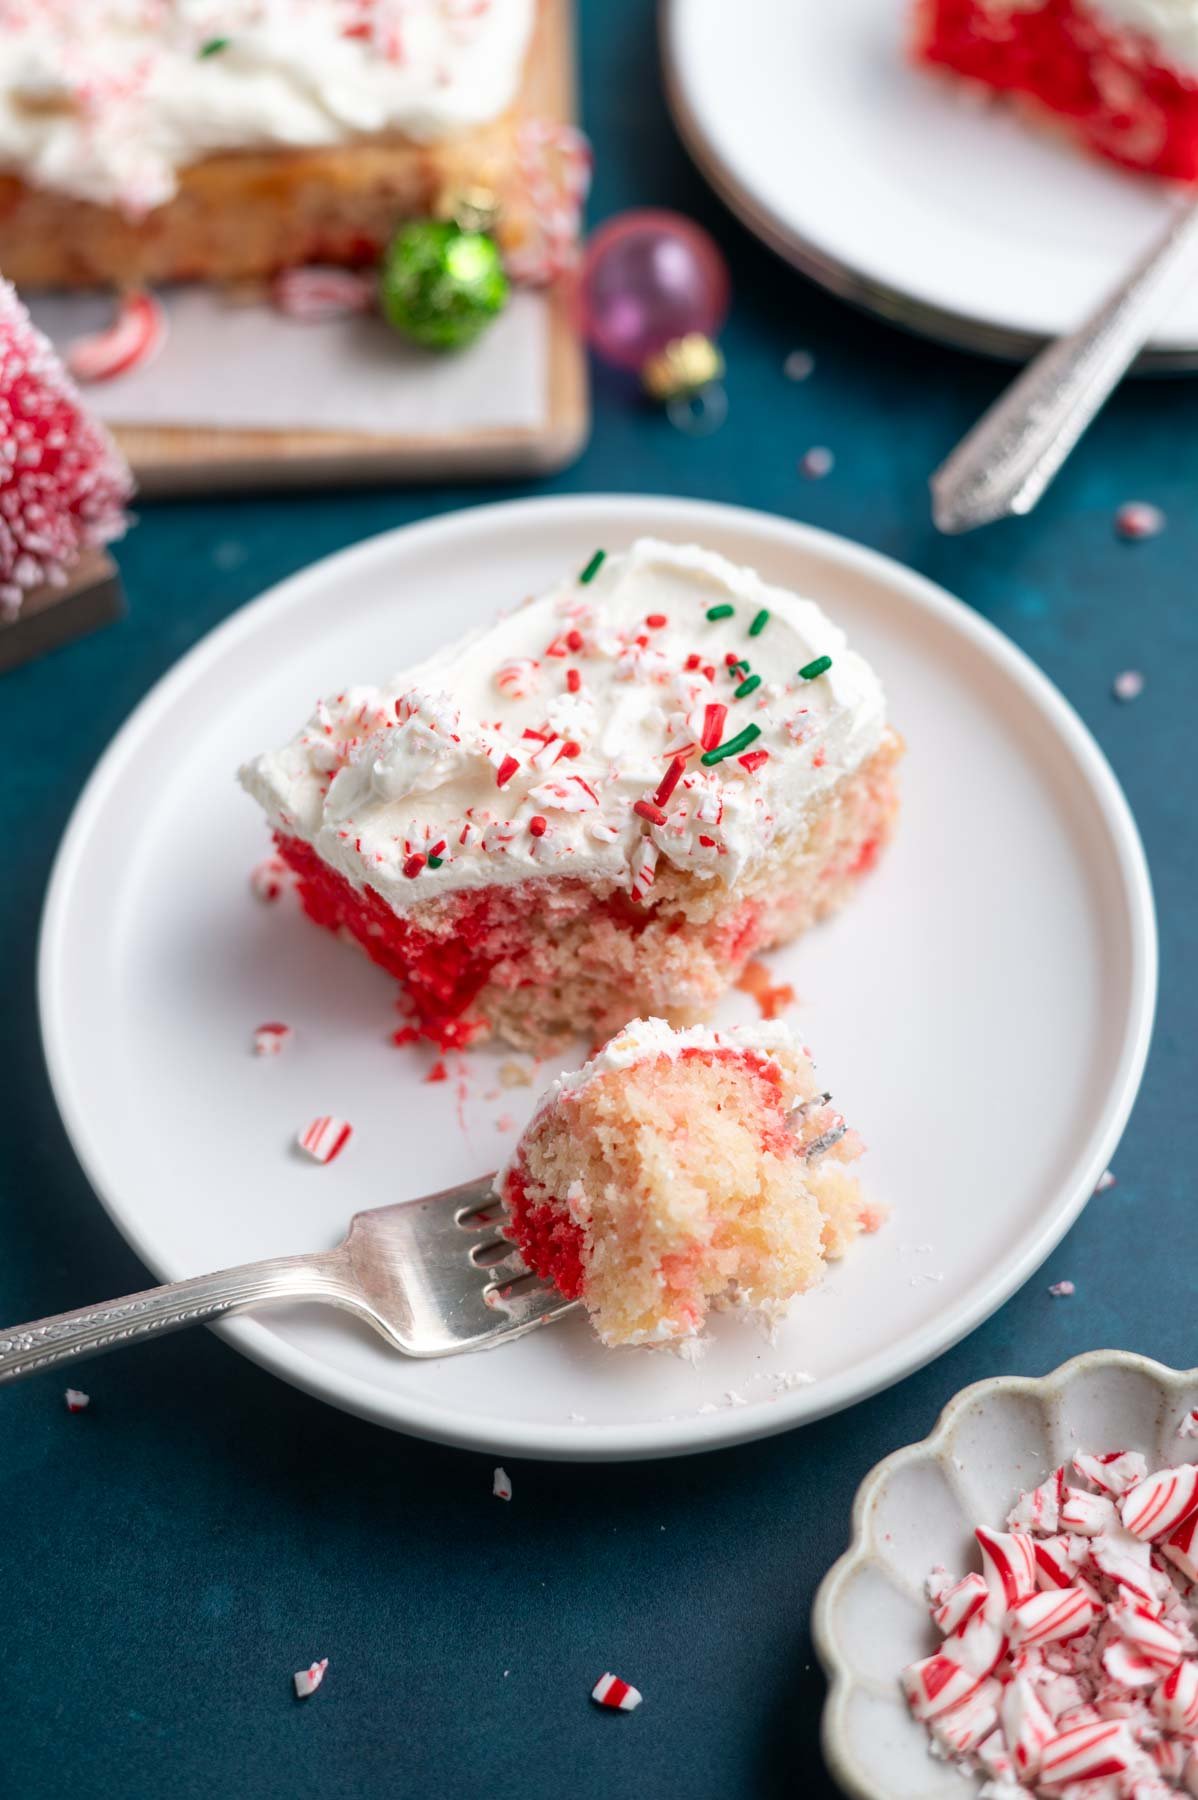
{"x":1004,"y":464}
{"x":66,"y":1337}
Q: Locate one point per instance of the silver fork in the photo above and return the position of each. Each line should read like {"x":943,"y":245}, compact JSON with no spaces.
{"x":433,"y":1276}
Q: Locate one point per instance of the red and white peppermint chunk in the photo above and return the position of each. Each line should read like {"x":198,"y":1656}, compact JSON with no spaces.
{"x":134,"y":339}
{"x":1156,"y":1506}
{"x":1127,"y":1562}
{"x":519,"y":678}
{"x":501,"y":1484}
{"x":308,"y":1680}
{"x":1114,"y":1473}
{"x":1175,"y":1699}
{"x":1154,"y":1640}
{"x":958,"y":1603}
{"x":316,"y":293}
{"x":1039,"y":1509}
{"x":1048,"y":1617}
{"x":609,"y":1690}
{"x":76,"y":1400}
{"x":980,"y":1644}
{"x":1027,"y":1725}
{"x":963,"y":1728}
{"x":644,"y":868}
{"x":325,"y":1138}
{"x":1009,"y":1566}
{"x":1058,"y":1559}
{"x":1139,"y":519}
{"x":269,"y":879}
{"x":1126,"y":1667}
{"x":1181,"y":1547}
{"x":1087,"y":1752}
{"x":936,"y":1685}
{"x":270,"y":1039}
{"x":1087,"y":1514}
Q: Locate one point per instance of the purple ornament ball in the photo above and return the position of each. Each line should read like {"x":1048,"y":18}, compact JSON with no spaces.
{"x":648,"y":277}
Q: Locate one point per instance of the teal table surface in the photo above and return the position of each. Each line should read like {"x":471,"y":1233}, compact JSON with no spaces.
{"x":168,"y":1558}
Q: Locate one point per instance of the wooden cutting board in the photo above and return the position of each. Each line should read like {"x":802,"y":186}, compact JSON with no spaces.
{"x":181,"y":459}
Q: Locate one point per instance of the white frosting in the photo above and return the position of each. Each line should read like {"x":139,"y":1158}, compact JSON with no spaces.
{"x":644,"y":1040}
{"x":485,"y":751}
{"x":106,"y":99}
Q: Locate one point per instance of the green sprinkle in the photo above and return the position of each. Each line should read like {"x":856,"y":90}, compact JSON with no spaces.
{"x":434,"y":862}
{"x":720,"y":612}
{"x":593,"y":567}
{"x":213,"y":47}
{"x":746,"y":687}
{"x":759,"y":623}
{"x":741,"y":741}
{"x":820,"y":666}
{"x":738,"y":668}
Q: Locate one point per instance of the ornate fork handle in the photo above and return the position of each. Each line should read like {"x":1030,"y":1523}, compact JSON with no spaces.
{"x":93,"y":1329}
{"x":1008,"y":459}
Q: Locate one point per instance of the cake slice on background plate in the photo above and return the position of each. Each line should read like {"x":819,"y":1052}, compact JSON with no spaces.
{"x":197,"y":140}
{"x":1120,"y":75}
{"x":605,"y":803}
{"x":680,"y":1171}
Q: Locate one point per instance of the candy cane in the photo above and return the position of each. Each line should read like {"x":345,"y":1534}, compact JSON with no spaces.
{"x":313,"y":294}
{"x":554,"y":161}
{"x":134,"y":339}
{"x":1155,"y":1507}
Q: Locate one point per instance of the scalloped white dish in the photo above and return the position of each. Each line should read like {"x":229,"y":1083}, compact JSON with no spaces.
{"x":919,"y":1507}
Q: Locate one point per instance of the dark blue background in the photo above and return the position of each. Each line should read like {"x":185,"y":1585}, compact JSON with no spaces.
{"x":168,"y":1558}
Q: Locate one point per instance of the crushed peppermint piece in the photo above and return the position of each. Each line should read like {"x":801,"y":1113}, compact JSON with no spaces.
{"x":1189,"y":1425}
{"x":799,"y":365}
{"x":1139,"y":519}
{"x":132,"y":341}
{"x":1128,"y":684}
{"x":308,"y":1680}
{"x":1069,"y":1666}
{"x":312,"y":295}
{"x":76,"y":1400}
{"x":325,"y":1138}
{"x":1106,"y":1181}
{"x":270,"y":1039}
{"x":817,"y":462}
{"x":501,"y":1485}
{"x":609,"y":1690}
{"x":1060,"y":1290}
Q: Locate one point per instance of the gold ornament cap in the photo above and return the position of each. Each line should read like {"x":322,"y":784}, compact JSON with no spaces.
{"x":682,"y":367}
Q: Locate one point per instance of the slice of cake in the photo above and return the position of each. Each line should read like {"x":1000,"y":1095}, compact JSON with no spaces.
{"x":608,"y":801}
{"x":683,"y":1170}
{"x":187,"y":140}
{"x":1121,"y":75}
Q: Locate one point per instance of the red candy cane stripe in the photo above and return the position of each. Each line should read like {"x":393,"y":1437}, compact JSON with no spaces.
{"x":314,"y":294}
{"x":555,"y":163}
{"x":325,"y":1138}
{"x":1175,"y":1699}
{"x":1057,"y":1561}
{"x":963,"y":1728}
{"x":1152,"y":1638}
{"x":1181,"y":1547}
{"x":1156,"y":1507}
{"x":609,"y":1690}
{"x":133,"y":339}
{"x":937,"y":1684}
{"x":1008,"y":1564}
{"x":1046,"y":1618}
{"x":1126,"y":1667}
{"x":1086,"y":1752}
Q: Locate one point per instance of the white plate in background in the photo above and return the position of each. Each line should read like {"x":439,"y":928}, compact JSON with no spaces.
{"x":894,"y":188}
{"x":982,"y":1009}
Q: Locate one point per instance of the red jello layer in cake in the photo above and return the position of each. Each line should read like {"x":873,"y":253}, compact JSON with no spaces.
{"x":1111,"y":87}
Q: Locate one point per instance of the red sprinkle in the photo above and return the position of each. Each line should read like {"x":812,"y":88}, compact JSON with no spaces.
{"x":537,"y":825}
{"x":413,"y":866}
{"x":645,"y":809}
{"x":670,"y":780}
{"x":507,"y":769}
{"x":573,"y":680}
{"x":438,"y":1072}
{"x":709,"y":671}
{"x":655,"y":621}
{"x":693,"y":660}
{"x":570,"y":748}
{"x":731,"y":660}
{"x":708,"y":843}
{"x":438,"y":848}
{"x":753,"y":759}
{"x":574,"y":640}
{"x":714,"y":715}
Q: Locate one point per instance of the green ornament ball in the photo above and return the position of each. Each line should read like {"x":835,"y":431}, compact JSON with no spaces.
{"x":441,"y":286}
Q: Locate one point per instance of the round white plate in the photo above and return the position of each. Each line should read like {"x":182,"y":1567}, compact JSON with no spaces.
{"x":893,"y":188}
{"x":982,"y":1009}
